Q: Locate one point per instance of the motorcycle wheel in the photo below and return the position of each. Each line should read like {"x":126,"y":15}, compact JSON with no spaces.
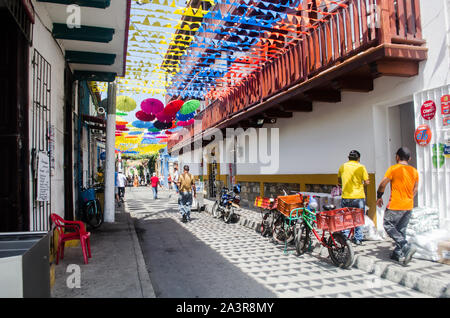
{"x":302,"y":238}
{"x":341,"y":251}
{"x":228,"y":214}
{"x":215,"y":210}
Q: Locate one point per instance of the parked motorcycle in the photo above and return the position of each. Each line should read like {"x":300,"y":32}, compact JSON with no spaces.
{"x":227,"y":204}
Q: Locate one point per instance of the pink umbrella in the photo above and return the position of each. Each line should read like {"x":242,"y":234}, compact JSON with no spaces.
{"x":186,"y":123}
{"x":152,"y":106}
{"x":173,"y":107}
{"x":143,"y":116}
{"x":165,"y":118}
{"x":120,"y":127}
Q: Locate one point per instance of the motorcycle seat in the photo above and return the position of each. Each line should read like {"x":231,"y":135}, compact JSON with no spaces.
{"x":329,"y":207}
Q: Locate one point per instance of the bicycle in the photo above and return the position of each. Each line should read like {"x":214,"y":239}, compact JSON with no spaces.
{"x":330,"y":220}
{"x":92,"y":213}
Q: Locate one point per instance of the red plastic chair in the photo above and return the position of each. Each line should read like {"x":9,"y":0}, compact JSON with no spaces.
{"x":79,"y":233}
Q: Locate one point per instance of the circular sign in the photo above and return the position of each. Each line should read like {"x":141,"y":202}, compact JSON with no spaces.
{"x":428,"y":110}
{"x":445,"y":105}
{"x":423,"y":135}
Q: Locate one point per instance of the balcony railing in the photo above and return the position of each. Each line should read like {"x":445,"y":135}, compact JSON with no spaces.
{"x":342,"y":34}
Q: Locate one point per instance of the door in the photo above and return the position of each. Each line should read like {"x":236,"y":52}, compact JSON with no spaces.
{"x":401,"y":134}
{"x":14,"y":161}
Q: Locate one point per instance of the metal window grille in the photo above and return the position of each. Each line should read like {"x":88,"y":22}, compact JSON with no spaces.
{"x":40,"y":135}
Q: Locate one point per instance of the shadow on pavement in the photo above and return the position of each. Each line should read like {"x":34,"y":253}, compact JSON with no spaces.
{"x":181,"y":265}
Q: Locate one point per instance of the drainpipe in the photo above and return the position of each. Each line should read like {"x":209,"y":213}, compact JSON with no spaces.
{"x":110,"y":155}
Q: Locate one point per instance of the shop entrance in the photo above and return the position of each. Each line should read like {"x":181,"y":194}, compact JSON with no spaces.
{"x":401,"y":133}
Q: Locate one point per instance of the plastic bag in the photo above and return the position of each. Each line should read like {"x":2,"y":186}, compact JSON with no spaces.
{"x":369,"y":230}
{"x":426,"y":244}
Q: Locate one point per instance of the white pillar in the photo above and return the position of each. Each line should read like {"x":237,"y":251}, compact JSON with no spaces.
{"x":109,"y":213}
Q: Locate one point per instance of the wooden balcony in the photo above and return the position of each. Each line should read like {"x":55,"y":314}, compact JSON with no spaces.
{"x":346,"y":51}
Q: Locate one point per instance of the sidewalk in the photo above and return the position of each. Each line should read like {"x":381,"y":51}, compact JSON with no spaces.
{"x":116,"y":269}
{"x":428,"y":277}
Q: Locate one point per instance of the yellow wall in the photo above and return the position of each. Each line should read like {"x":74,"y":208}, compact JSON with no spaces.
{"x":304,"y":179}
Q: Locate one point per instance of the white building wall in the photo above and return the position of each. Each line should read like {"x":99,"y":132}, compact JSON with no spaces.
{"x":44,"y":43}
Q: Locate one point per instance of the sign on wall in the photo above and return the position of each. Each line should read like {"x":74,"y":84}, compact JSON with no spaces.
{"x":423,"y":135}
{"x":428,"y":110}
{"x":43,"y":177}
{"x":445,"y":105}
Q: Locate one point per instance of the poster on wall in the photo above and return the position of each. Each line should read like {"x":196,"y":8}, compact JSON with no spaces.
{"x":446,"y":121}
{"x":43,"y":177}
{"x":423,"y":135}
{"x":445,"y":105}
{"x":428,"y":110}
{"x":51,"y":148}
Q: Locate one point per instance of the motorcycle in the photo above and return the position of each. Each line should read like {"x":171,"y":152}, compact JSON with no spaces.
{"x":227,"y":204}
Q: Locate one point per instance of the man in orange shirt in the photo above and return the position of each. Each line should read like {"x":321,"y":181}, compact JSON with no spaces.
{"x":404,"y":181}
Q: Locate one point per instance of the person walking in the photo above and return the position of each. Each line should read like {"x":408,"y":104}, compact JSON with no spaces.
{"x":121,"y":184}
{"x":186,"y":186}
{"x":116,"y":188}
{"x":353,"y":176}
{"x":155,"y":182}
{"x":404,"y":180}
{"x":136,"y":181}
{"x":176,"y":176}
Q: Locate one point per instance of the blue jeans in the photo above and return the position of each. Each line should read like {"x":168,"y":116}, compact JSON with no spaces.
{"x":185,"y":203}
{"x":155,"y":192}
{"x":355,"y":203}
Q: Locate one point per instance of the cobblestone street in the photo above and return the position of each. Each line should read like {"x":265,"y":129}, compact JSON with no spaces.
{"x":208,"y":258}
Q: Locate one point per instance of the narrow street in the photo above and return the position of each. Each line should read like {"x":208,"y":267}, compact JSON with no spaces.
{"x":208,"y":258}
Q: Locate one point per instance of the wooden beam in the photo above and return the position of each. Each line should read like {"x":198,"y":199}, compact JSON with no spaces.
{"x":396,"y":68}
{"x":293,"y":105}
{"x":353,"y":84}
{"x":324,"y":95}
{"x":277,"y":113}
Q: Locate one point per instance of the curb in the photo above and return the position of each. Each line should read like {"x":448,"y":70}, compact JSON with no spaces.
{"x":427,"y":285}
{"x":144,"y":278}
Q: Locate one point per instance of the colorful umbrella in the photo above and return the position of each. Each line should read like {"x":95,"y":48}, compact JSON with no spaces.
{"x":152,"y":106}
{"x":142,"y":124}
{"x":125,"y":103}
{"x":186,"y":117}
{"x":162,"y":125}
{"x":185,"y":123}
{"x":190,"y":106}
{"x":173,"y":107}
{"x":141,"y":115}
{"x":165,"y":118}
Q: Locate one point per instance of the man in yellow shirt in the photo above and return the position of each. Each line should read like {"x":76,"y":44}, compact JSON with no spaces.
{"x":353,"y":176}
{"x":404,"y":181}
